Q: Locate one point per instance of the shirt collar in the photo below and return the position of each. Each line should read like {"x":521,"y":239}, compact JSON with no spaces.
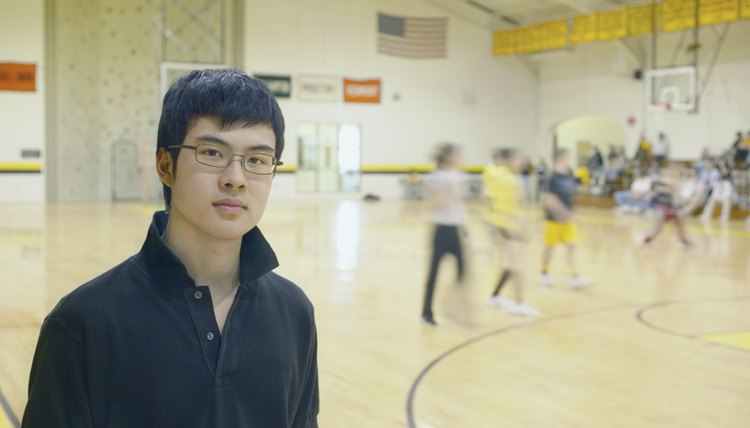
{"x":256,"y":256}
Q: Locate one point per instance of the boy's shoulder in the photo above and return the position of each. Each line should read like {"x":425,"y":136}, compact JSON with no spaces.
{"x":96,"y":298}
{"x":286,"y":290}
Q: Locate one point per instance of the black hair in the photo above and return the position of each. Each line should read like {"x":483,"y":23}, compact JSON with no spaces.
{"x":228,"y":94}
{"x":504,"y":154}
{"x":444,"y":151}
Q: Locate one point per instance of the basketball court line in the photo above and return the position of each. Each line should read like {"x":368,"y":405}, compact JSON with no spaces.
{"x":410,"y":417}
{"x":7,"y":418}
{"x":739,"y":341}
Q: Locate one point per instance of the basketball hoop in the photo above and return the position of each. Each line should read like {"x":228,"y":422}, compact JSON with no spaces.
{"x":671,"y":89}
{"x":660,"y":107}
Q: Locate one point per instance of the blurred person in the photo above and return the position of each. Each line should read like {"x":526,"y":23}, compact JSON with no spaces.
{"x":596,"y":162}
{"x":195,"y":330}
{"x":526,"y":171}
{"x":541,"y":177}
{"x":708,"y":177}
{"x":638,"y":198}
{"x":702,"y":163}
{"x":502,"y":190}
{"x":557,"y":200}
{"x":643,"y":154}
{"x":690,"y":192}
{"x":666,"y":193}
{"x":742,"y":153}
{"x":661,"y":149}
{"x":612,"y":154}
{"x":413,"y":185}
{"x":722,"y":192}
{"x":445,"y":190}
{"x":737,"y":141}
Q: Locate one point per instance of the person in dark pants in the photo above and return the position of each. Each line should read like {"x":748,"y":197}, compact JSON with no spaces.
{"x":446,"y":187}
{"x":195,"y":330}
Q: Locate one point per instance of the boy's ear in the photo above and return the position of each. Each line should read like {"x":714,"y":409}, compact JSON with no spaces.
{"x":164,"y":167}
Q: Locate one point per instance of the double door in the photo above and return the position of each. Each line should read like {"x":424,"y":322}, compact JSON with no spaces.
{"x":329,"y":157}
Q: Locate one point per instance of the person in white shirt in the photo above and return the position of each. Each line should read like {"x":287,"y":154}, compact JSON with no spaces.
{"x":661,"y":149}
{"x":446,"y":187}
{"x":691,"y":192}
{"x":722,"y":192}
{"x":637,"y":199}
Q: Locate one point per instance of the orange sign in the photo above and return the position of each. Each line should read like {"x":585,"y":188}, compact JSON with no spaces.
{"x":17,"y":77}
{"x":362,"y":91}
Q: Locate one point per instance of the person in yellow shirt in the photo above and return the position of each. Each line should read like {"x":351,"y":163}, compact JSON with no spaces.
{"x":644,"y":150}
{"x":502,"y":188}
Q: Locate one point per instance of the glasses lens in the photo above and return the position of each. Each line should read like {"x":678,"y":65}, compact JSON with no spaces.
{"x":259,"y":163}
{"x":209,"y":154}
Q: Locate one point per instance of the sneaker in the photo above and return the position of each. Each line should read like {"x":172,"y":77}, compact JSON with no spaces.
{"x":578,"y":282}
{"x":429,"y":320}
{"x":522,"y":309}
{"x":687,"y":246}
{"x":544,"y":280}
{"x":498,"y":301}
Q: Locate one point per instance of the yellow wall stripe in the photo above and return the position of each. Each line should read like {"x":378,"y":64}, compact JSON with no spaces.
{"x":21,"y":166}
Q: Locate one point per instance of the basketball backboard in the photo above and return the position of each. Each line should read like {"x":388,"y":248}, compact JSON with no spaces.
{"x":671,"y":89}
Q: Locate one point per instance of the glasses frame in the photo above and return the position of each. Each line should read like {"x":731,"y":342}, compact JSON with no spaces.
{"x":276,"y":162}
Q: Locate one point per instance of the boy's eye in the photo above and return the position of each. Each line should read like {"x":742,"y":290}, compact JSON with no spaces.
{"x":255,"y":160}
{"x":210,"y":152}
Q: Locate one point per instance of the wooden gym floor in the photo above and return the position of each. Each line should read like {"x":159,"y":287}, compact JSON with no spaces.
{"x":662,"y":339}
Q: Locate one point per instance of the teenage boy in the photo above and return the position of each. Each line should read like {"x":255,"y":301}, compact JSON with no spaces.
{"x":557,"y":200}
{"x":502,"y":189}
{"x":195,"y":330}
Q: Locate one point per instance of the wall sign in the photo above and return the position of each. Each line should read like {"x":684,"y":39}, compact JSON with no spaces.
{"x":317,"y":88}
{"x":362,"y":91}
{"x":280,"y":86}
{"x":17,"y":77}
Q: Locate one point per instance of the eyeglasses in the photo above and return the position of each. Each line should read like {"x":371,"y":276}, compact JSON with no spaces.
{"x":220,"y":157}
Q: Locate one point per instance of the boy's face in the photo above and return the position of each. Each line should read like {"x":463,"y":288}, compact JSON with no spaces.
{"x":224,"y":203}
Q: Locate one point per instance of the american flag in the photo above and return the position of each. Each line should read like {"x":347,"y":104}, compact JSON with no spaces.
{"x":416,"y":38}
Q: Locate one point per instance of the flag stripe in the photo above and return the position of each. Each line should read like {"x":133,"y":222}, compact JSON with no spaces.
{"x":416,"y":46}
{"x":407,"y":37}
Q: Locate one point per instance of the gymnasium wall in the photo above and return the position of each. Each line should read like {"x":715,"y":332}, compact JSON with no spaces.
{"x":104,"y":92}
{"x":22,"y":113}
{"x":598,"y":79}
{"x":470,"y":98}
{"x":106,"y":97}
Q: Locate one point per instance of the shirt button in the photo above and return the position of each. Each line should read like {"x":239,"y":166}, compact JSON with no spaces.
{"x":210,"y":336}
{"x":198,"y":295}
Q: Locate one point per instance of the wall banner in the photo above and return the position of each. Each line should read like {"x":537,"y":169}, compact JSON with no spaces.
{"x":317,"y":87}
{"x":362,"y":91}
{"x":280,"y":85}
{"x":17,"y":77}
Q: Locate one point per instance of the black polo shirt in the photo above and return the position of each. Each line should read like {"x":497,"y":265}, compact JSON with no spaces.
{"x":139,"y":347}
